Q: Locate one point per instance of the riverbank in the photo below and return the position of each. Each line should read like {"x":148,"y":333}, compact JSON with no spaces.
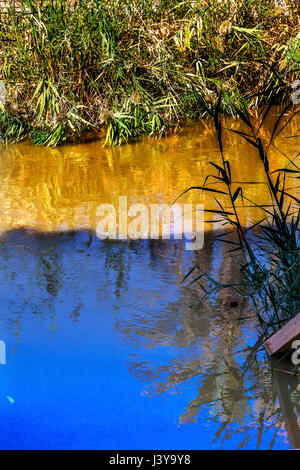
{"x":127,"y":68}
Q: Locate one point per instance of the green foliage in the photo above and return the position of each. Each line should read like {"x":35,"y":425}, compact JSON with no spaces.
{"x":89,"y":56}
{"x":12,"y":128}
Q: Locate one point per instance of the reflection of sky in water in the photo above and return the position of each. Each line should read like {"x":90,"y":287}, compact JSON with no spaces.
{"x":106,"y":349}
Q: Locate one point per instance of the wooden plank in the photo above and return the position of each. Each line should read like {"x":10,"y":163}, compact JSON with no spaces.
{"x":283,"y":339}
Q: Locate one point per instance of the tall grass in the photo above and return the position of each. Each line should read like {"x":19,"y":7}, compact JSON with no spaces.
{"x":270,"y":258}
{"x":137,"y":66}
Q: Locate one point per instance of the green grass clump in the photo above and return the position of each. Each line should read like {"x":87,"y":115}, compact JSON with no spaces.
{"x":138,"y":66}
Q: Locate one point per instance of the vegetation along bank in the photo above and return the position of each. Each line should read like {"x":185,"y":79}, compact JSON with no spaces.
{"x":124,"y":68}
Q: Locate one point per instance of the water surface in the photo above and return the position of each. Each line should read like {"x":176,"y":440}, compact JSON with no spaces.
{"x":106,"y":348}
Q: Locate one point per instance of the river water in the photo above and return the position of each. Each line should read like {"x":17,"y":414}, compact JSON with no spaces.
{"x":106,"y":347}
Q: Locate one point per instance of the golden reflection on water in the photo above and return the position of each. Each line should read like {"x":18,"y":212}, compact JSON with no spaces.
{"x":60,"y":189}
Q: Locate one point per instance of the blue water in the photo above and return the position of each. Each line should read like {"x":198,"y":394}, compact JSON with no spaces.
{"x":106,"y":349}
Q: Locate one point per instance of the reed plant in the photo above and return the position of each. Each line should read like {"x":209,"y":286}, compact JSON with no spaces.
{"x":139,"y":66}
{"x":270,"y":248}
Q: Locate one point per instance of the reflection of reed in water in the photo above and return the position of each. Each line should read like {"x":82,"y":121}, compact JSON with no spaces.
{"x":210,"y":354}
{"x":287,"y":386}
{"x":205,"y":344}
